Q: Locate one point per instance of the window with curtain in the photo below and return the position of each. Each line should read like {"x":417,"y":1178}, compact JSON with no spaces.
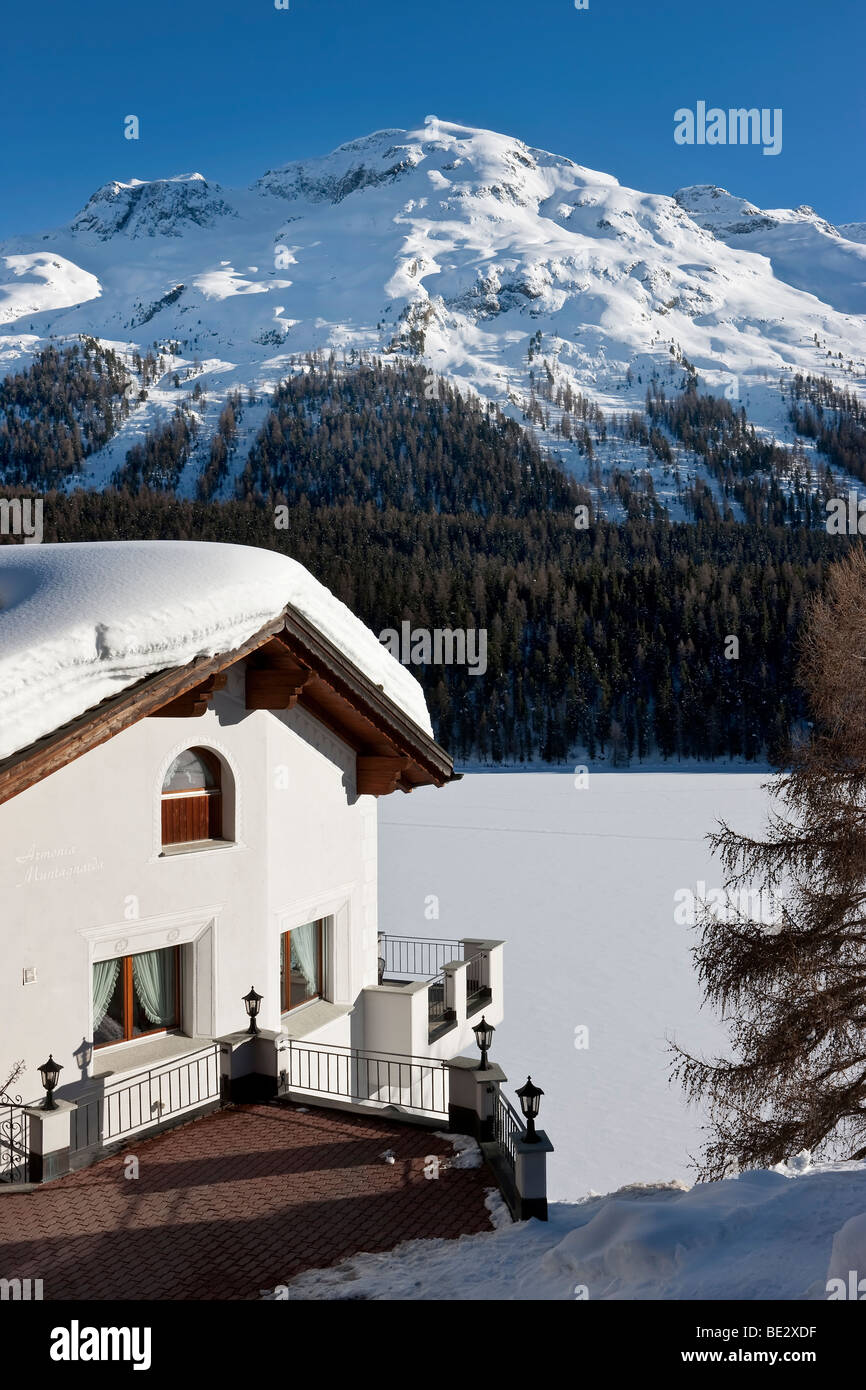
{"x":135,"y":995}
{"x":302,"y":964}
{"x":192,"y":798}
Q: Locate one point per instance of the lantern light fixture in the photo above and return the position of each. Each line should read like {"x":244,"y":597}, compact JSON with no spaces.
{"x":252,"y":1004}
{"x":50,"y":1074}
{"x":484,"y":1037}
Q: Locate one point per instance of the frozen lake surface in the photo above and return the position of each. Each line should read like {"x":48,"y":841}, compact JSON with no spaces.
{"x":581,"y":884}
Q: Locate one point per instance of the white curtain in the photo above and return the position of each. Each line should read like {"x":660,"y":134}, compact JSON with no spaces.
{"x":305,"y":952}
{"x":153,"y":976}
{"x":105,"y":973}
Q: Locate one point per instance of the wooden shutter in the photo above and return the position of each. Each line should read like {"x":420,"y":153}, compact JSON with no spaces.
{"x":194,"y":817}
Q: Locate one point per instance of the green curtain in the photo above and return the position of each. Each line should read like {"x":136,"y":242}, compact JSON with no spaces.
{"x":153,"y":978}
{"x":105,"y":973}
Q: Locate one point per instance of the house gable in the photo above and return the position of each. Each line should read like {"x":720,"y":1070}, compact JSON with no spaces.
{"x":288,"y":662}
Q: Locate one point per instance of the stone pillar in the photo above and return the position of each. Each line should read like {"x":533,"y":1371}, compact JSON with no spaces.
{"x":249,"y":1066}
{"x":530,"y":1176}
{"x":49,"y":1140}
{"x":472,"y":1095}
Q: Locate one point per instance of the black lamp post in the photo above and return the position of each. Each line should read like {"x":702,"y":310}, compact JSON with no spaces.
{"x":50,"y":1073}
{"x":530,"y":1101}
{"x":484,"y":1037}
{"x":252,"y":1003}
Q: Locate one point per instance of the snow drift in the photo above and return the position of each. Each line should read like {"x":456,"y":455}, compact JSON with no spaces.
{"x":763,"y":1235}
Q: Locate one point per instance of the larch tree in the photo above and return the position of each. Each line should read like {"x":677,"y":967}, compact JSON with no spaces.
{"x":793,"y":989}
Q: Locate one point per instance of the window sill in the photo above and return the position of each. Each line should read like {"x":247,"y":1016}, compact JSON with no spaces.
{"x":138,"y":1054}
{"x":195,"y":847}
{"x":306,"y":1018}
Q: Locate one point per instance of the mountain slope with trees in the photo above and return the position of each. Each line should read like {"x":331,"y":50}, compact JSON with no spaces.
{"x":413,"y":503}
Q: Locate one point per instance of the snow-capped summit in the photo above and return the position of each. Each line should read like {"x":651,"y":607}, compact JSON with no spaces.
{"x":473,"y":160}
{"x":725,"y":215}
{"x":805,"y":249}
{"x":719,"y":211}
{"x":155,"y":207}
{"x":377,"y":159}
{"x":468,"y":248}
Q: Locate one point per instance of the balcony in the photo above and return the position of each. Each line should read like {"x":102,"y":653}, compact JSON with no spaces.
{"x":430,"y":992}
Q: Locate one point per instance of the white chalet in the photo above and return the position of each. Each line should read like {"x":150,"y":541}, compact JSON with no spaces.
{"x":193,"y":738}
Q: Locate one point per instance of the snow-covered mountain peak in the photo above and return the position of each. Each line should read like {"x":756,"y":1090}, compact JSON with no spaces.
{"x":516,"y":272}
{"x":442,"y":156}
{"x":804,"y":248}
{"x":726,"y":215}
{"x":151,"y":207}
{"x":720,"y":212}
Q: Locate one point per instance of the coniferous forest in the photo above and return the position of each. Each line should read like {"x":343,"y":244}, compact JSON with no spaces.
{"x":609,"y":641}
{"x":413,"y":503}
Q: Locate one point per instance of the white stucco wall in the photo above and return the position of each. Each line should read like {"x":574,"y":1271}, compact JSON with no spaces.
{"x":82,"y":879}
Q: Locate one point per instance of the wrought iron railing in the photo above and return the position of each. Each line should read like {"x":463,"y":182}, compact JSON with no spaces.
{"x":440,"y":1010}
{"x":14,"y":1140}
{"x":416,"y":1084}
{"x":478,"y":992}
{"x":424,"y":958}
{"x":147,"y":1099}
{"x":507,"y":1128}
{"x":416,"y":957}
{"x":440,"y":1014}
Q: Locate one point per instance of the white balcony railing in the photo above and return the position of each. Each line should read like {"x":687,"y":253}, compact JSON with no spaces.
{"x":430,"y":991}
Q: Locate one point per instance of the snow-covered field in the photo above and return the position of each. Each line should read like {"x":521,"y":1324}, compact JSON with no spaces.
{"x":581,"y":885}
{"x":764,"y":1235}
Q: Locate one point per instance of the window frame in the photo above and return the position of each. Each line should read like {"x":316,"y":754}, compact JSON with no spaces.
{"x":286,"y":1006}
{"x":212,"y":796}
{"x":126,"y":979}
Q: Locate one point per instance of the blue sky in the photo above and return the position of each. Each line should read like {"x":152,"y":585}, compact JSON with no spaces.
{"x":231,"y":89}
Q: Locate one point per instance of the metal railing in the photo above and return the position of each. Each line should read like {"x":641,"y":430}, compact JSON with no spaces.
{"x":478,"y":992}
{"x":416,"y":957}
{"x":145,"y":1100}
{"x":439,"y":1013}
{"x":14,"y":1140}
{"x":507,"y":1127}
{"x":381,"y":1078}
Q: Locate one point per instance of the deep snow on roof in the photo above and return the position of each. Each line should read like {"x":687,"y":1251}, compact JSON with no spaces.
{"x":82,"y":622}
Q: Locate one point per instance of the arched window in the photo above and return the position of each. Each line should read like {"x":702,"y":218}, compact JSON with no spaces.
{"x":192,"y":798}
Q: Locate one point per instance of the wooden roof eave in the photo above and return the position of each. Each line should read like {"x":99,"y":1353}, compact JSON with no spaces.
{"x":428,"y":762}
{"x":367,"y":699}
{"x":97,"y":725}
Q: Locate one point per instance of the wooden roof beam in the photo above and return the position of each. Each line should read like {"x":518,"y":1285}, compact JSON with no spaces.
{"x":275,"y":681}
{"x":193,"y":703}
{"x":378,"y":776}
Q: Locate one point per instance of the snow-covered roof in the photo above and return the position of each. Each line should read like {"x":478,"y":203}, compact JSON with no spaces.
{"x":82,"y":622}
